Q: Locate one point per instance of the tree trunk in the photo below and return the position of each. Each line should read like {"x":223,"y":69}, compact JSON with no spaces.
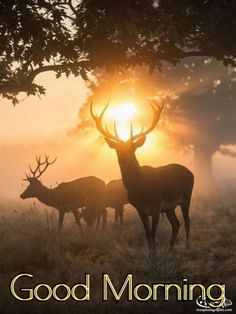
{"x":203,"y":168}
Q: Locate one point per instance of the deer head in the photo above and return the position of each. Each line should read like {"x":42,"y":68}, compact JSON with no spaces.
{"x":126,"y":149}
{"x":35,"y":185}
{"x":88,"y":216}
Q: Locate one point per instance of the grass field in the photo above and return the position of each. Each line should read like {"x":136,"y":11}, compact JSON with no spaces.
{"x":30,"y":243}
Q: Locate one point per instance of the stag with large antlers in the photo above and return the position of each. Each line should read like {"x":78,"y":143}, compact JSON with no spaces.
{"x":67,"y":196}
{"x":151,"y":190}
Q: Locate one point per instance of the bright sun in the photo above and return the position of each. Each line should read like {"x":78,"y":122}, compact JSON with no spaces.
{"x":123,"y":115}
{"x":122,"y":112}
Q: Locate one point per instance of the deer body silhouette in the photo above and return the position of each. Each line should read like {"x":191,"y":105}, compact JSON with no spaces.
{"x":151,"y":190}
{"x":67,"y":196}
{"x":117,"y":197}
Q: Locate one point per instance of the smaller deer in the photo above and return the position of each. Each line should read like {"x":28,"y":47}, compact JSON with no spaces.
{"x":68,"y":196}
{"x":117,"y":197}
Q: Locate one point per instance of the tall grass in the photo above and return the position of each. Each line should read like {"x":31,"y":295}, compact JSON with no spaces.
{"x":29,"y":242}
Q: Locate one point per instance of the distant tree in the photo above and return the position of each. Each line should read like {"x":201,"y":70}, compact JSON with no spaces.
{"x":78,"y":36}
{"x":210,"y":112}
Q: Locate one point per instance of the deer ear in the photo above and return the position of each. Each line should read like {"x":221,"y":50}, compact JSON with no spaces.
{"x":111,"y":143}
{"x":139,"y":142}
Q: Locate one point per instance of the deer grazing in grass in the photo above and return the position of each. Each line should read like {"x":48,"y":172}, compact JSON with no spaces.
{"x":69,"y":196}
{"x":151,"y":190}
{"x":117,"y":197}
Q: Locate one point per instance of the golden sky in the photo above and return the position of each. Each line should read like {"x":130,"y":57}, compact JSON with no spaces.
{"x":51,"y":116}
{"x":37,"y":126}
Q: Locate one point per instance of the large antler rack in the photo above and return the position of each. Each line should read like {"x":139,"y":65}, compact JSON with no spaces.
{"x":157,"y":109}
{"x":45,"y":163}
{"x":98,"y":120}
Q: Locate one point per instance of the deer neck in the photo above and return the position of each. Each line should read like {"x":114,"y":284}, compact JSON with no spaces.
{"x":47,"y":196}
{"x":131,"y":174}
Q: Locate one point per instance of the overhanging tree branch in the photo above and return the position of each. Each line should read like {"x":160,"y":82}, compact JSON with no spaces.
{"x":55,"y":68}
{"x":21,"y":85}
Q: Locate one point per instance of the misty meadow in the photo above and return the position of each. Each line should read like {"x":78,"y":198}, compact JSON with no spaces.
{"x":31,"y":243}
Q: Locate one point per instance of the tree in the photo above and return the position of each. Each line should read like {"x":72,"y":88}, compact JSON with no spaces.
{"x":208,"y":113}
{"x":78,"y":36}
{"x":35,"y":37}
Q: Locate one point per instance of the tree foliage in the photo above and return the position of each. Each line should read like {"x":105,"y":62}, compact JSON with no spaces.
{"x":78,"y":36}
{"x":35,"y":37}
{"x":147,"y":32}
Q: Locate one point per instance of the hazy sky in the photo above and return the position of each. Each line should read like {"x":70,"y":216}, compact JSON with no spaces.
{"x":37,"y":126}
{"x":49,"y":117}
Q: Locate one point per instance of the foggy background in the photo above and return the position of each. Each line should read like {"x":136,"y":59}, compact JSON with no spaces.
{"x":199,"y":123}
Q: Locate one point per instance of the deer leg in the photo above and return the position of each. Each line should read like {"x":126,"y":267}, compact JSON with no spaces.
{"x":147,"y":227}
{"x":116,"y":216}
{"x":175,"y":227}
{"x":77,"y":216}
{"x":122,"y":216}
{"x":104,"y":219}
{"x":119,"y":211}
{"x":185,"y":211}
{"x":155,"y":219}
{"x":61,"y":219}
{"x":98,"y":221}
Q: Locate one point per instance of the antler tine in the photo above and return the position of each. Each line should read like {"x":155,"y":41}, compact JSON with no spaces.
{"x":38,"y":160}
{"x":104,"y":109}
{"x":27,"y":177}
{"x":91,"y":111}
{"x":160,"y":106}
{"x":46,"y":163}
{"x":98,"y":121}
{"x":95,"y":116}
{"x":131,"y":131}
{"x":31,"y":169}
{"x":115,"y":130}
{"x":106,"y":128}
{"x":156,"y":117}
{"x":157,"y":113}
{"x":52,"y":162}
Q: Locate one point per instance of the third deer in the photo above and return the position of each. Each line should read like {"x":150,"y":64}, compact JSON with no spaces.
{"x":117,"y":197}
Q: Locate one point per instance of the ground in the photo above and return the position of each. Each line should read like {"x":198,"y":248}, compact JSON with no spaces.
{"x":30,"y":244}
